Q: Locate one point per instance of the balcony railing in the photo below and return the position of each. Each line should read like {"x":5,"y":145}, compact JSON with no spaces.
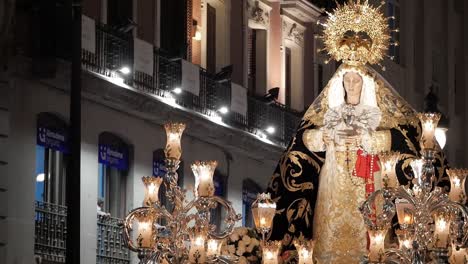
{"x":114,"y":50}
{"x":111,"y":247}
{"x":51,"y":233}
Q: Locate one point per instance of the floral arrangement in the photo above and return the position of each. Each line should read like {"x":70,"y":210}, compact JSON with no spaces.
{"x":243,"y":243}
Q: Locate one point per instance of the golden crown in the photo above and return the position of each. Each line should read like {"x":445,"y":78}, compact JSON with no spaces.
{"x":356,"y":33}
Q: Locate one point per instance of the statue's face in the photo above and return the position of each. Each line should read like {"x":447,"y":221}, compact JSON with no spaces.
{"x":353,"y":84}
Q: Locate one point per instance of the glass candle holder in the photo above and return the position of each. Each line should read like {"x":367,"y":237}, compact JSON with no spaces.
{"x":404,"y":212}
{"x":457,"y":185}
{"x":417,"y":166}
{"x":377,"y":244}
{"x":442,"y":229}
{"x":405,"y":239}
{"x":174,"y":132}
{"x":305,"y":251}
{"x":429,"y":123}
{"x":152,"y":185}
{"x":146,"y":232}
{"x":197,"y":252}
{"x":270,"y":252}
{"x":388,"y":162}
{"x":203,"y":172}
{"x":263,"y":211}
{"x":213,"y":247}
{"x":458,"y":256}
{"x":441,"y":136}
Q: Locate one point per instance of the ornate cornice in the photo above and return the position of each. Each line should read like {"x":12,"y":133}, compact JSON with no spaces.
{"x":293,"y":31}
{"x":258,"y":14}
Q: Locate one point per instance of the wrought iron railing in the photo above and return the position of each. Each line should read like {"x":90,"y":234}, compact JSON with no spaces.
{"x":111,"y":247}
{"x":50,"y":232}
{"x":115,"y":50}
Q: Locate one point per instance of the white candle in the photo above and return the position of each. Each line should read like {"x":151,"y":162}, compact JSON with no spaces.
{"x":376,"y":247}
{"x":203,"y":172}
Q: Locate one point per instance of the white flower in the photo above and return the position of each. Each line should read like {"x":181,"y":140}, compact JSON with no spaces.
{"x":240,"y":251}
{"x":241,"y":243}
{"x":255,"y":242}
{"x":234,"y":237}
{"x":246,"y":240}
{"x":250,"y":248}
{"x":231,"y":249}
{"x":243,"y":260}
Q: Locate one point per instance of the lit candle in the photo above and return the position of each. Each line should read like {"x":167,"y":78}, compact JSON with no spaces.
{"x":388,"y":161}
{"x":270,"y":252}
{"x":405,"y":239}
{"x":174,"y":132}
{"x":457,"y":185}
{"x":203,"y":172}
{"x":145,"y":231}
{"x":429,"y":123}
{"x":458,"y":256}
{"x":442,"y":228}
{"x":213,"y":248}
{"x":305,"y":250}
{"x":152,"y":185}
{"x":263,"y":211}
{"x":197,"y":253}
{"x":376,"y":247}
{"x":404,"y":212}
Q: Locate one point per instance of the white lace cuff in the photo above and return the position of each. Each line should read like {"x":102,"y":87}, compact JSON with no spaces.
{"x":313,"y":140}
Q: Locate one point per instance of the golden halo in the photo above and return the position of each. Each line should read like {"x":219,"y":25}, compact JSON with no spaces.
{"x":356,"y":33}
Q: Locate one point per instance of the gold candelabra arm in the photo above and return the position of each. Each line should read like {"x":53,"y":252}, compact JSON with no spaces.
{"x":230,"y":219}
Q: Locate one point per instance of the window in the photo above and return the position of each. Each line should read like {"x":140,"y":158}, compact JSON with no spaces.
{"x":393,"y":9}
{"x":217,"y":214}
{"x":256,"y":70}
{"x":250,"y":189}
{"x":113,"y":171}
{"x":51,"y":158}
{"x":211,"y":39}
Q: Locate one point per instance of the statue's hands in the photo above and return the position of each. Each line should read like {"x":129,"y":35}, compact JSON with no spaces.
{"x":350,"y":137}
{"x":327,"y":138}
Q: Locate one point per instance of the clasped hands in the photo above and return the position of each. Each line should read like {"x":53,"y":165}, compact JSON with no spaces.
{"x":348,"y":136}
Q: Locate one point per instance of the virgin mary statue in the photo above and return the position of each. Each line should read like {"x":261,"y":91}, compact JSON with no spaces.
{"x":331,"y":164}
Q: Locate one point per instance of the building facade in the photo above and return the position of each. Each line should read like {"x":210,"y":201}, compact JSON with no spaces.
{"x":256,"y":58}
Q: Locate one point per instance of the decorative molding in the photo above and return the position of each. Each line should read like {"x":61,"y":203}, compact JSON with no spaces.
{"x":301,"y":10}
{"x":293,"y":31}
{"x":258,"y":14}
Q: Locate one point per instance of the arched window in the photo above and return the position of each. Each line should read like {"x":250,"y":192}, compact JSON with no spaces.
{"x":250,"y":189}
{"x":113,"y":171}
{"x":51,"y":158}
